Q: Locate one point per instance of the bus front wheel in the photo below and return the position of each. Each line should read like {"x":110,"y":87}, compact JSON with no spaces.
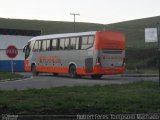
{"x":96,"y":76}
{"x":34,"y":72}
{"x":72,"y":71}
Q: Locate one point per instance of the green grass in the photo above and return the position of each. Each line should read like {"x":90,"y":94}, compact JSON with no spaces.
{"x":8,"y":75}
{"x":150,"y":71}
{"x":140,"y":97}
{"x":142,"y":58}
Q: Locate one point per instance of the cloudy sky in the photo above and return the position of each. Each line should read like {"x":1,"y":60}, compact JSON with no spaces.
{"x":94,"y":11}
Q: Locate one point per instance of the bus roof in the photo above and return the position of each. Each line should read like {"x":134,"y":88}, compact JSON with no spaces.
{"x":52,"y":36}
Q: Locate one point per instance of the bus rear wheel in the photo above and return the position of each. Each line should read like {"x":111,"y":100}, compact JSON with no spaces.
{"x":96,"y":76}
{"x":34,"y":72}
{"x":72,"y":71}
{"x":55,"y":74}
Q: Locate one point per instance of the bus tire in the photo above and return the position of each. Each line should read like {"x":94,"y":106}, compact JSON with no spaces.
{"x":79,"y":76}
{"x":34,"y":72}
{"x":55,"y":74}
{"x":96,"y":76}
{"x":72,"y":71}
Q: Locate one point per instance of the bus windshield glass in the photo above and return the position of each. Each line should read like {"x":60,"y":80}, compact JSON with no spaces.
{"x":27,"y":50}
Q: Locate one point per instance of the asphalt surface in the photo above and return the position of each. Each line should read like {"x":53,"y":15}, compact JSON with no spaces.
{"x":49,"y":81}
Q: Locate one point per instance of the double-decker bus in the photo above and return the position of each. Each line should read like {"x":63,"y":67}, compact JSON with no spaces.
{"x":94,"y":53}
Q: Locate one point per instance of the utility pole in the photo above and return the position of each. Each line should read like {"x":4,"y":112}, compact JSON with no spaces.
{"x":158,"y":35}
{"x":74,"y":15}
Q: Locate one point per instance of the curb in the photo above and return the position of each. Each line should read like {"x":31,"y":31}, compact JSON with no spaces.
{"x":13,"y":79}
{"x":139,"y":75}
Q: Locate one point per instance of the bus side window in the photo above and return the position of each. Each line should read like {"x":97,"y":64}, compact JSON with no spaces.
{"x":66,"y":45}
{"x":84,"y":42}
{"x":44,"y":45}
{"x":77,"y":43}
{"x":39,"y":45}
{"x":73,"y":43}
{"x":54,"y":44}
{"x":48,"y":48}
{"x":91,"y":40}
{"x":35,"y":48}
{"x":31,"y":45}
{"x":87,"y":42}
{"x":61,"y":43}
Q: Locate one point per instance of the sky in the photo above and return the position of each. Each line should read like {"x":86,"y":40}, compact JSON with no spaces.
{"x":93,"y":11}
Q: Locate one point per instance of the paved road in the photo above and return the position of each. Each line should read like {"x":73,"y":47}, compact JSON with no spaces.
{"x":48,"y":81}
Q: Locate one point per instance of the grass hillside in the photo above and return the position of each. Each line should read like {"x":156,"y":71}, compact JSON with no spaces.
{"x":48,"y":27}
{"x":139,"y":55}
{"x":134,"y":31}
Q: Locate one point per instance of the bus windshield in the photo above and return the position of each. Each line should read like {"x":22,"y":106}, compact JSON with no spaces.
{"x":27,"y":50}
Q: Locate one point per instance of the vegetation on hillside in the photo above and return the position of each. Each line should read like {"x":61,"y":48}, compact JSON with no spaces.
{"x":48,"y":27}
{"x":139,"y":55}
{"x":134,"y":31}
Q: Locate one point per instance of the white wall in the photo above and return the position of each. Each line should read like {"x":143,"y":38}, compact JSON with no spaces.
{"x":17,"y":41}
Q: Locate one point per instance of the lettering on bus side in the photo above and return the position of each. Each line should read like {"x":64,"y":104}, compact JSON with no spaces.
{"x":54,"y":59}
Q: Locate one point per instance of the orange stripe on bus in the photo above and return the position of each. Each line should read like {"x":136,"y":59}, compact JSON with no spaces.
{"x":62,"y":70}
{"x":80,"y":71}
{"x":27,"y":68}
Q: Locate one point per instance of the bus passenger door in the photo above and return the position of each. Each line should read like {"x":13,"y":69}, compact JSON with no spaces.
{"x":87,"y":48}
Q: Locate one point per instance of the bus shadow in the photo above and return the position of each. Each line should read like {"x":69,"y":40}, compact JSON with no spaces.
{"x":81,"y":78}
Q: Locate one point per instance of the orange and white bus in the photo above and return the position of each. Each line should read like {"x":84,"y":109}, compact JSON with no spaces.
{"x":94,"y":53}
